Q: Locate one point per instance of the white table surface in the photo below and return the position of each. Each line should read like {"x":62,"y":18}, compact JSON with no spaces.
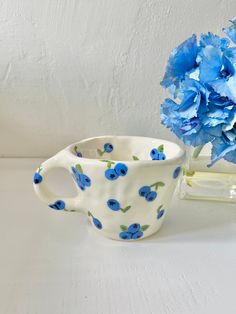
{"x":52,"y":262}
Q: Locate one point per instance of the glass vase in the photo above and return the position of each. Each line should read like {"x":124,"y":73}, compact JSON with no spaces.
{"x":199,"y":182}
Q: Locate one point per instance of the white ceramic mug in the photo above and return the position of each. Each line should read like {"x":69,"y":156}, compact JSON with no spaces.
{"x":124,"y":183}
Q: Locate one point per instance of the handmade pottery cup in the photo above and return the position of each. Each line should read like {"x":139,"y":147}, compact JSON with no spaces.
{"x":124,"y":183}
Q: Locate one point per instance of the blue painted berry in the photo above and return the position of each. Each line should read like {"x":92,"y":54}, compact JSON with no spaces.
{"x":79,"y":154}
{"x":52,"y":206}
{"x":85,"y":180}
{"x":58,"y":205}
{"x":137,"y":235}
{"x":144,"y":190}
{"x":160,"y":213}
{"x":125,"y":235}
{"x":111,"y":174}
{"x":81,"y":179}
{"x":134,"y":228}
{"x":108,"y":148}
{"x":121,"y":169}
{"x":151,"y":196}
{"x":154,"y":154}
{"x":161,"y":156}
{"x":37,"y":178}
{"x":176,"y":172}
{"x":97,"y":223}
{"x":113,"y":204}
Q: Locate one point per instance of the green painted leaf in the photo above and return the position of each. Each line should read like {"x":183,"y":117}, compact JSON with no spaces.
{"x":69,"y":210}
{"x":190,"y":173}
{"x":124,"y":210}
{"x":189,"y":184}
{"x":160,"y":148}
{"x":79,"y":168}
{"x":135,"y":158}
{"x":123,"y":228}
{"x":160,"y":183}
{"x":100,"y":152}
{"x":144,"y":227}
{"x":159,"y":208}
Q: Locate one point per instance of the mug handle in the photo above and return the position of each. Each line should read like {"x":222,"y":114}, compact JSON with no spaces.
{"x":44,"y":193}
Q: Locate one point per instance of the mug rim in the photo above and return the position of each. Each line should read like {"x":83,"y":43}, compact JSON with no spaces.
{"x":179,"y":157}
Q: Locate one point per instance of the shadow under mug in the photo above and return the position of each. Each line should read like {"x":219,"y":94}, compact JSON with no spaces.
{"x":124,"y":183}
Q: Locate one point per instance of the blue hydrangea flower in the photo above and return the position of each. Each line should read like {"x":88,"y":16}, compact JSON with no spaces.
{"x":181,"y":61}
{"x":202,"y":78}
{"x":231,"y":30}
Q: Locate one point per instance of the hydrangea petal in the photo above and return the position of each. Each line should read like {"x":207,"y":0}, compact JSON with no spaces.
{"x":181,"y":60}
{"x":222,"y":150}
{"x":211,"y":64}
{"x":229,"y":61}
{"x":226,"y":88}
{"x":231,"y":30}
{"x":210,"y":39}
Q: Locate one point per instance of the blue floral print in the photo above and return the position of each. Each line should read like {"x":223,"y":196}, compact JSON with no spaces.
{"x":146,"y":192}
{"x":82,"y":180}
{"x":97,"y":223}
{"x":134,"y":231}
{"x":107,"y":148}
{"x":115,"y":206}
{"x":37,"y":176}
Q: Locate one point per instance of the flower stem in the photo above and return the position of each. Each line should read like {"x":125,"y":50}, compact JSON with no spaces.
{"x":197,"y":151}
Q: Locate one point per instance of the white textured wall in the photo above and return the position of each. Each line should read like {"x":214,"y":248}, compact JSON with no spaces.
{"x":71,"y":69}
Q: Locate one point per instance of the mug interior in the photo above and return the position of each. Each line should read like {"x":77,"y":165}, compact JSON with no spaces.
{"x":126,"y":148}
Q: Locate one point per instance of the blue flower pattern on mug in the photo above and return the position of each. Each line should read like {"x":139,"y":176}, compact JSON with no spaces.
{"x":37,"y":176}
{"x":176,"y":172}
{"x":59,"y":205}
{"x":112,"y":174}
{"x":146,"y":191}
{"x":133,"y":232}
{"x":82,"y":180}
{"x":115,"y":206}
{"x":158,"y":153}
{"x":160,"y":212}
{"x":97,"y":223}
{"x":107,"y":148}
